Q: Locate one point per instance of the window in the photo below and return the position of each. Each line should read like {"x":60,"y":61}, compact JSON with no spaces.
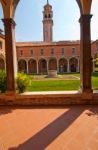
{"x":52,"y":51}
{"x":45,"y":16}
{"x":62,"y":51}
{"x":73,"y":50}
{"x":42,"y":51}
{"x":21,"y":52}
{"x":0,"y":45}
{"x":31,"y":51}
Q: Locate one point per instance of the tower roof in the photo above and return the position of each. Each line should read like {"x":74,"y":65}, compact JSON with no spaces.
{"x":47,"y":5}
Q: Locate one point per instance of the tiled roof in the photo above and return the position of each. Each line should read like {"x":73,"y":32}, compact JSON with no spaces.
{"x":47,"y":43}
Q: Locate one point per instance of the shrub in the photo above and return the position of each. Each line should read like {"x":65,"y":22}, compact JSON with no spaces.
{"x":22,"y":81}
{"x":3,"y":81}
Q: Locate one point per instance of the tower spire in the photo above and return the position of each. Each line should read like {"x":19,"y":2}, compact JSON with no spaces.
{"x":47,"y":1}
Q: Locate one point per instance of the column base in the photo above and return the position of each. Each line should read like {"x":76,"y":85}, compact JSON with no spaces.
{"x":10,"y":93}
{"x":86,"y":93}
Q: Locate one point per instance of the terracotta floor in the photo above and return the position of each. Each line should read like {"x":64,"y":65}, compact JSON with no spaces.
{"x":69,"y":128}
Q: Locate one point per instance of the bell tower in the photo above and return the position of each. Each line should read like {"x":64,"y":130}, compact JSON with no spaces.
{"x":47,"y":23}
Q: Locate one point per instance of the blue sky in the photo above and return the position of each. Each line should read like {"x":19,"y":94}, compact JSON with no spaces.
{"x":28,"y":18}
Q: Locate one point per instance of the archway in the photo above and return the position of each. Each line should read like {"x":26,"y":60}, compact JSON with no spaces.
{"x":2,"y":64}
{"x":22,"y":66}
{"x":42,"y":66}
{"x":62,"y":65}
{"x":95,"y":62}
{"x":32,"y":66}
{"x":73,"y":64}
{"x":52,"y":64}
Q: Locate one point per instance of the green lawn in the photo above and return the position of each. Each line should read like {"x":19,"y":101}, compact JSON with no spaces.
{"x":57,"y":84}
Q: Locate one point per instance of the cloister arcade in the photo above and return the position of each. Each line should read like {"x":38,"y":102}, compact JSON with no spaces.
{"x":9,"y":8}
{"x":41,"y":66}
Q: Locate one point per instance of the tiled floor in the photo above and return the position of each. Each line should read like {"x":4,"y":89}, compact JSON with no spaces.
{"x":68,"y":128}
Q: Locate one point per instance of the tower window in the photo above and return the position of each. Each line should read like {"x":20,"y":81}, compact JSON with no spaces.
{"x":52,"y":51}
{"x":49,"y":16}
{"x":31,"y":51}
{"x":73,"y":50}
{"x":42,"y":51}
{"x":62,"y":51}
{"x":45,"y":16}
{"x":0,"y":45}
{"x":21,"y":52}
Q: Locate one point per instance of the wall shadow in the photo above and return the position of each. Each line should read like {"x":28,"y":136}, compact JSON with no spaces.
{"x":5,"y":110}
{"x":48,"y":134}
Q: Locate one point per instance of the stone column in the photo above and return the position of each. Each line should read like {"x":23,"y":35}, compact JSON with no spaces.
{"x":10,"y":50}
{"x":93,"y":66}
{"x":27,"y":67}
{"x":47,"y":66}
{"x":57,"y":66}
{"x":78,"y":65}
{"x":68,"y":70}
{"x":37,"y":68}
{"x":85,"y":53}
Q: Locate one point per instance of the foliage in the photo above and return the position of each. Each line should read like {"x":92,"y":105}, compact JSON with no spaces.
{"x":22,"y":81}
{"x":3,"y":81}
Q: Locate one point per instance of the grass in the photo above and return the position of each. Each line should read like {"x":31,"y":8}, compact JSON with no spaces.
{"x":39,"y":83}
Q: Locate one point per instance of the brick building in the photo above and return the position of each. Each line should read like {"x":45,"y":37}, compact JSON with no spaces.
{"x":39,"y":57}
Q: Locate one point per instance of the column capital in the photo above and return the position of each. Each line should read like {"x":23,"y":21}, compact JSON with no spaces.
{"x":9,"y":21}
{"x":85,"y":17}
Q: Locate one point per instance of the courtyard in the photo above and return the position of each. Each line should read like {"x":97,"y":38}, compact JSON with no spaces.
{"x":48,"y":128}
{"x":62,"y":82}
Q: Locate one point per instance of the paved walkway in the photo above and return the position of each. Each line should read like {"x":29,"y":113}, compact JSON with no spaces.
{"x":54,"y":92}
{"x":68,"y":128}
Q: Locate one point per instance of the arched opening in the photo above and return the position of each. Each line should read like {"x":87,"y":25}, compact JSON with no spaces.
{"x":96,"y":62}
{"x":52,"y":64}
{"x":2,"y":64}
{"x":32,"y":66}
{"x":22,"y":66}
{"x":42,"y":65}
{"x":73,"y":64}
{"x":62,"y":65}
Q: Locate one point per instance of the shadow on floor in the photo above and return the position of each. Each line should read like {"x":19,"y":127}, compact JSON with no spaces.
{"x":48,"y":134}
{"x":93,"y":111}
{"x":5,"y":110}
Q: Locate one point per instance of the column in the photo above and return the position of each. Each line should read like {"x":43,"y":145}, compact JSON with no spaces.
{"x":57,"y":66}
{"x":27,"y":67}
{"x":93,"y":65}
{"x":10,"y":51}
{"x":47,"y":67}
{"x":78,"y":65}
{"x":37,"y":68}
{"x":68,"y":70}
{"x":85,"y":53}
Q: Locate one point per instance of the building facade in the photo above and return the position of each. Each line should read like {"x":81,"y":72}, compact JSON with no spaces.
{"x":39,"y":57}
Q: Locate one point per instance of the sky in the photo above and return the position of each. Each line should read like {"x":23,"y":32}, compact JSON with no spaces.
{"x":66,"y":14}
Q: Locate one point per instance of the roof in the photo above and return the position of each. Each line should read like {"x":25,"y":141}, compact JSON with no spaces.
{"x":40,"y":43}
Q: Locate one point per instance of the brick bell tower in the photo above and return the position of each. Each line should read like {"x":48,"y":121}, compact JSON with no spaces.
{"x":47,"y":23}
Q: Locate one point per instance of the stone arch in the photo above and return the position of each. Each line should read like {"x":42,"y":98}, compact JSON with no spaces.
{"x":95,"y":65}
{"x":42,"y":65}
{"x":63,"y":65}
{"x":73,"y":63}
{"x":22,"y":66}
{"x":52,"y":64}
{"x":32,"y":66}
{"x":2,"y":64}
